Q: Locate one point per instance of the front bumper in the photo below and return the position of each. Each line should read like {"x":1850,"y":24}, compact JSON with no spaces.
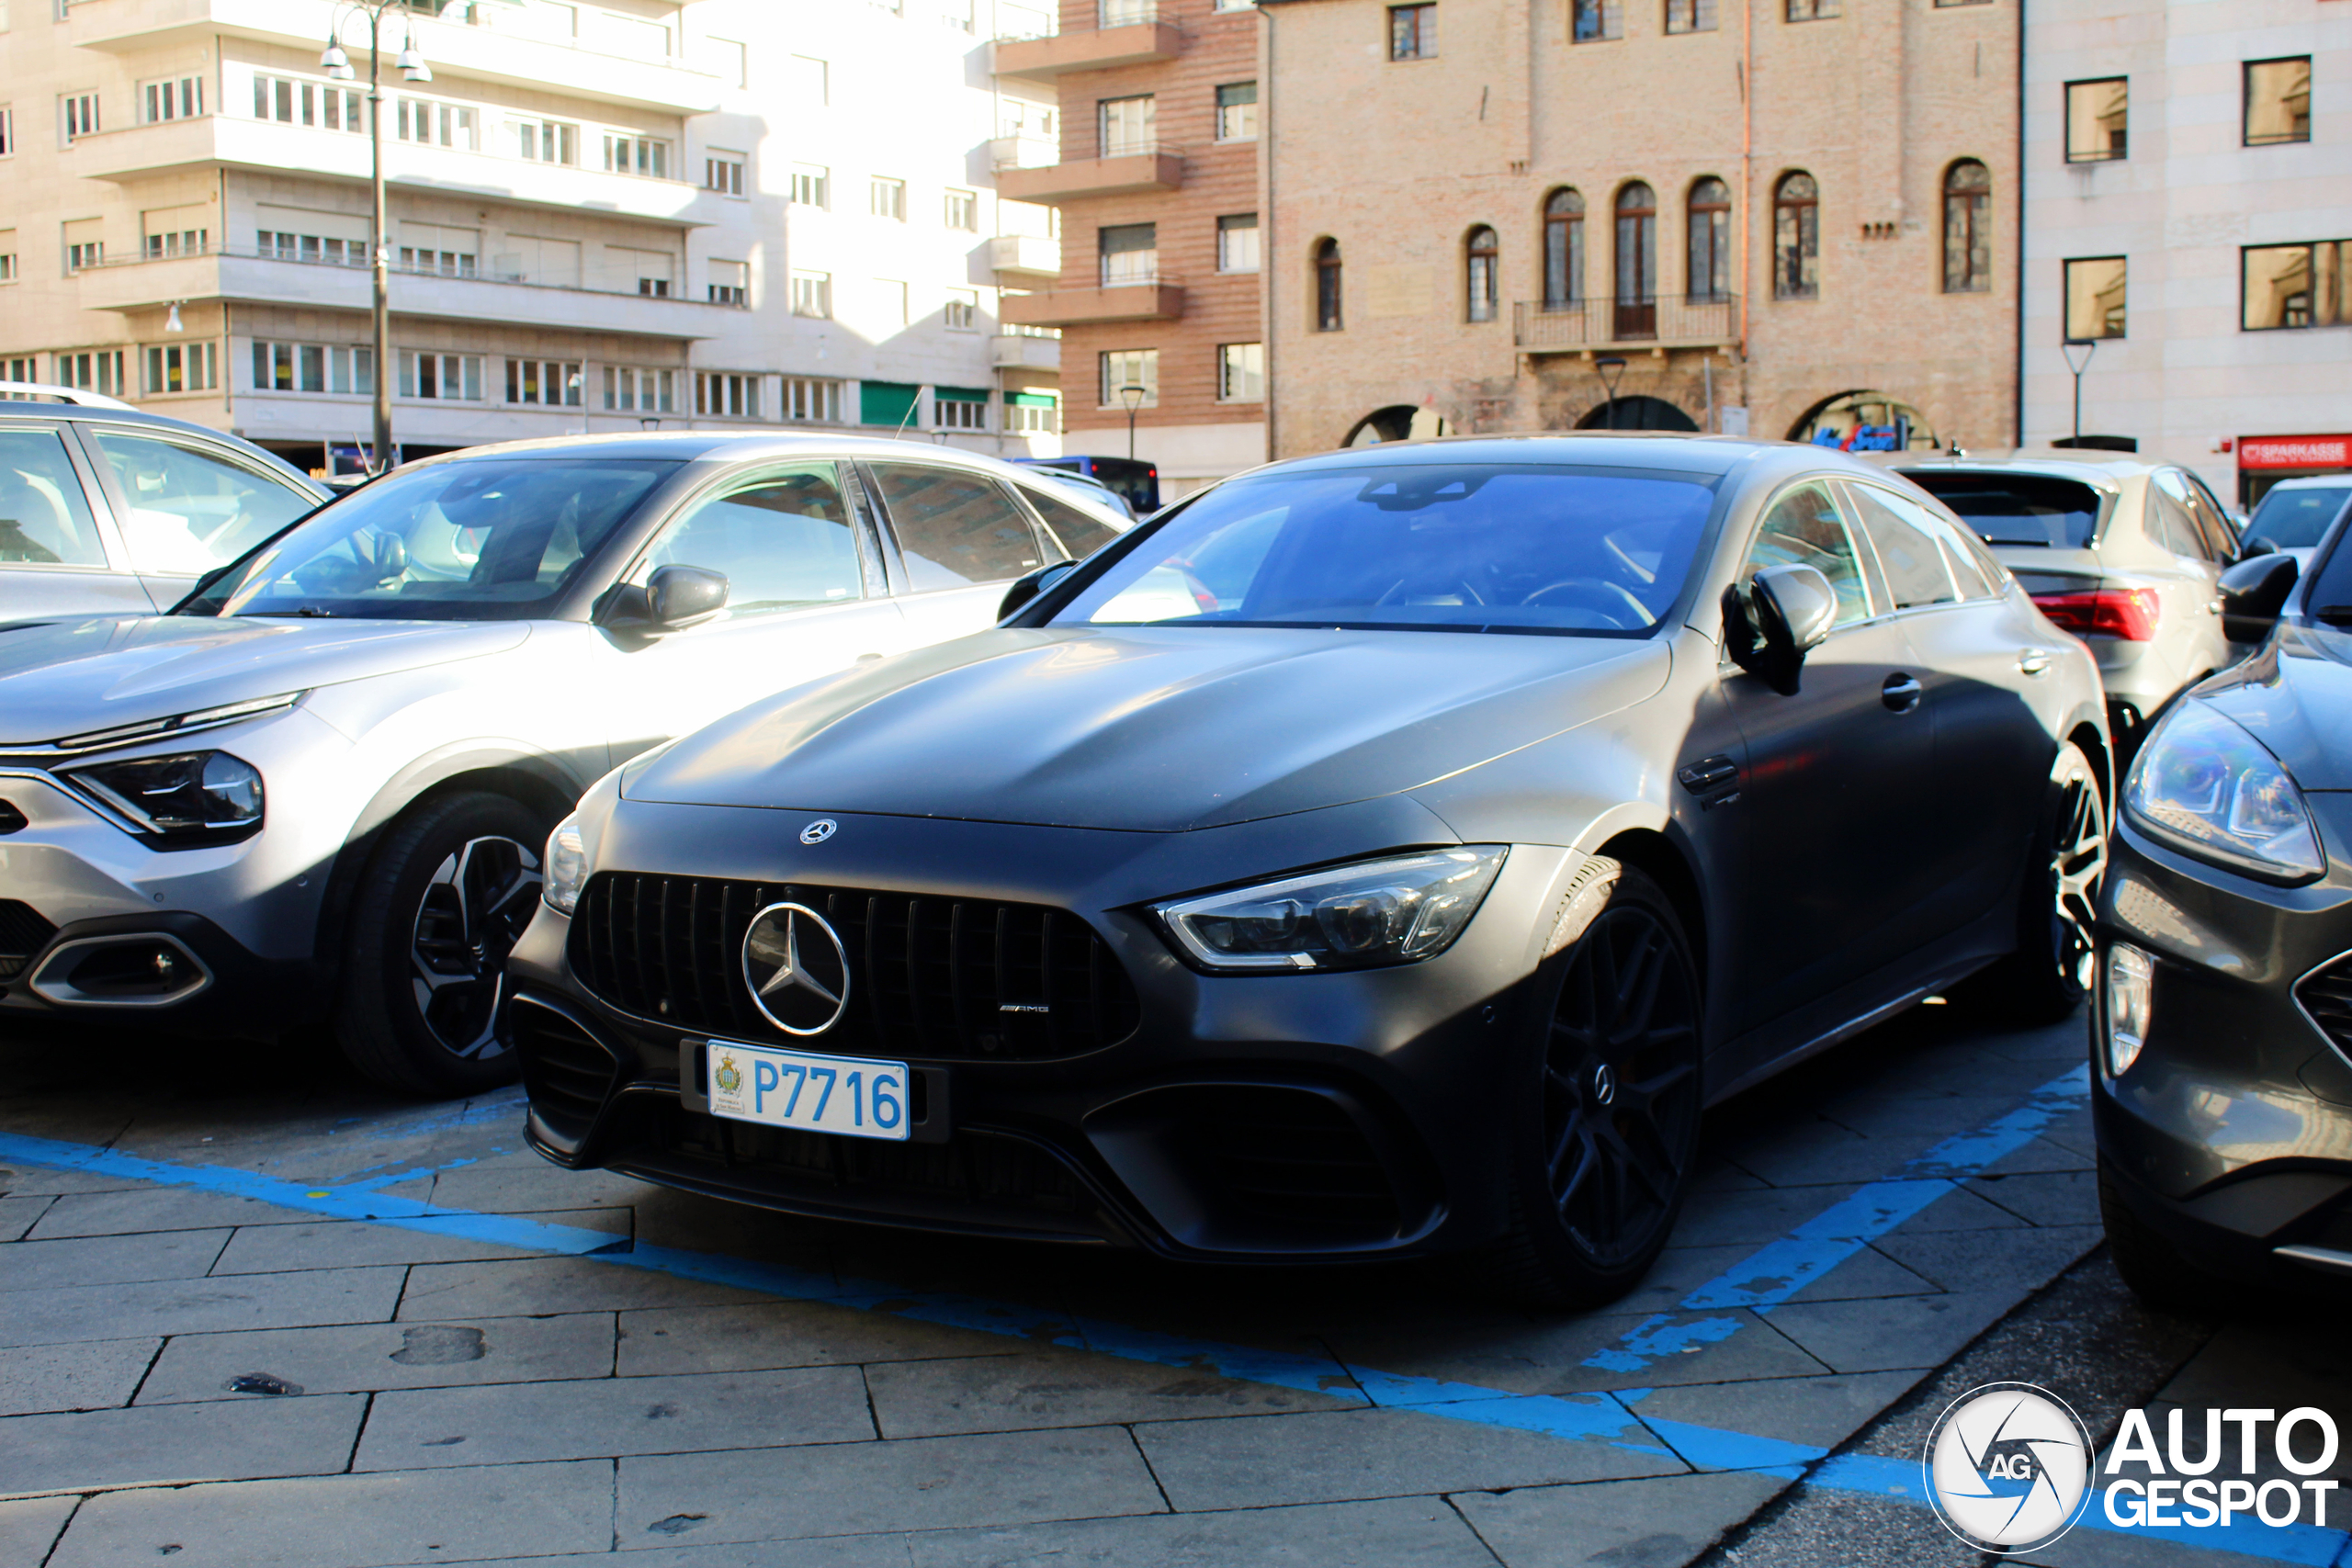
{"x":1257,"y":1117}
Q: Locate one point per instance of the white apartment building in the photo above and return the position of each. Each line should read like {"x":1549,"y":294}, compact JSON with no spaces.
{"x":604,"y":215}
{"x":2189,"y":231}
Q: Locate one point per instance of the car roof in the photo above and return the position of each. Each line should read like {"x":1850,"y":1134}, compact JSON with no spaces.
{"x":110,"y":412}
{"x":689,"y":446}
{"x":2313,"y":482}
{"x":2106,"y":472}
{"x":1710,"y":455}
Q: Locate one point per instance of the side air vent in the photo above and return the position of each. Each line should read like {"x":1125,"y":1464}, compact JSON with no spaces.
{"x":22,"y":933}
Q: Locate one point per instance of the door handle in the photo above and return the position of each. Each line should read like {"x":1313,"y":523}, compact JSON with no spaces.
{"x":2032,"y":661}
{"x":1902,"y":693}
{"x":1714,"y":780}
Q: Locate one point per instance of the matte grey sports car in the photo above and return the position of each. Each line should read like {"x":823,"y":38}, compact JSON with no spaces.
{"x":1378,"y":854}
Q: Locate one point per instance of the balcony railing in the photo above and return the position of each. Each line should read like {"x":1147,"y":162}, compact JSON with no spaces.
{"x":1160,"y":297}
{"x":1134,"y":167}
{"x":1654,"y":320}
{"x":357,"y":260}
{"x":1120,"y":32}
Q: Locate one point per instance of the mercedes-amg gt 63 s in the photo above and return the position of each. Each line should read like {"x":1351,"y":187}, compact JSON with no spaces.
{"x":1380,"y":853}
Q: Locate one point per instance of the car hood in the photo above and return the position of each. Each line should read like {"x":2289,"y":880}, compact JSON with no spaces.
{"x":2295,"y":695}
{"x":1155,"y":729}
{"x":71,"y":677}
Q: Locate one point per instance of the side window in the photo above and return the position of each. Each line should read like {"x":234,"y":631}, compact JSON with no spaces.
{"x":2170,"y":522}
{"x":783,"y":537}
{"x":191,"y":510}
{"x":2215,"y":540}
{"x":2213,"y":515}
{"x":44,"y":517}
{"x":1900,"y":527}
{"x":955,"y":529}
{"x":1079,"y":535}
{"x":1803,"y":528}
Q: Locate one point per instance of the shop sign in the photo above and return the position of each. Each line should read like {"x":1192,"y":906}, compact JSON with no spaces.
{"x":2295,"y":452}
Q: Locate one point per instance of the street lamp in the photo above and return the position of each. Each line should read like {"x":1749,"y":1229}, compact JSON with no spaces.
{"x":337,"y":65}
{"x":1611,"y":368}
{"x":1133,"y":396}
{"x":2089,"y":346}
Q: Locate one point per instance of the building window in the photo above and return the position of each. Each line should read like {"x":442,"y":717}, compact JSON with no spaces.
{"x":953,"y":408}
{"x":1031,"y":413}
{"x":813,"y":294}
{"x":1796,"y":238}
{"x":26,"y":368}
{"x":807,"y":82}
{"x":886,"y":198}
{"x":1237,"y":112}
{"x":723,"y":172}
{"x":2097,"y":120}
{"x":890,"y":295}
{"x":290,"y":101}
{"x":1563,"y":249}
{"x":1236,"y":242}
{"x":178,"y":242}
{"x":1709,"y":276}
{"x":2298,"y":285}
{"x":178,"y":97}
{"x":2095,"y":290}
{"x":431,"y":124}
{"x":1130,"y":368}
{"x":184,"y":368}
{"x":963,"y":313}
{"x":637,"y":155}
{"x":813,"y":402}
{"x":2277,"y":100}
{"x":79,"y":112}
{"x":448,"y":378}
{"x":964,"y":211}
{"x":84,"y":254}
{"x":1636,"y":244}
{"x":7,"y":130}
{"x":1327,"y":318}
{"x":1241,"y":372}
{"x":1124,"y":124}
{"x":1597,"y":21}
{"x":812,"y":187}
{"x":7,"y":259}
{"x":431,"y":248}
{"x":1480,"y":277}
{"x":1690,"y":16}
{"x":318,"y":368}
{"x":729,"y":284}
{"x":1130,"y":252}
{"x":547,"y":140}
{"x":630,"y":390}
{"x":725,"y":395}
{"x":99,"y":370}
{"x":1968,"y":229}
{"x":1811,"y":10}
{"x":547,"y":383}
{"x":1413,"y":32}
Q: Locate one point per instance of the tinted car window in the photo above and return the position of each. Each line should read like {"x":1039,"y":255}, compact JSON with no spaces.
{"x":2213,"y":541}
{"x":1805,"y":527}
{"x":2016,"y":509}
{"x":1079,"y":534}
{"x":486,"y":539}
{"x":1916,"y":566}
{"x":44,"y":517}
{"x":191,"y":510}
{"x":782,"y":537}
{"x":955,"y":528}
{"x":2171,"y":526}
{"x":1963,"y":557}
{"x":2296,"y":519}
{"x":1455,"y":547}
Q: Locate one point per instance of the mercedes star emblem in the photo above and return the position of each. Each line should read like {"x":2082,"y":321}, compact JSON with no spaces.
{"x":817,"y":832}
{"x":797,"y":968}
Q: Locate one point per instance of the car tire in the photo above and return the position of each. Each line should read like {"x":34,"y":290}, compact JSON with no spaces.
{"x":444,"y":897}
{"x":2045,"y":978}
{"x":1605,"y":1130}
{"x":2159,"y":1273}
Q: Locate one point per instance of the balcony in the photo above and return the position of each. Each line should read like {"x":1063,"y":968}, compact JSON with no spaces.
{"x":1019,"y":351}
{"x":1583,"y":326}
{"x":1024,"y":257}
{"x":1127,"y":172}
{"x":1142,"y":300}
{"x":1022,"y":152}
{"x":1126,"y":33}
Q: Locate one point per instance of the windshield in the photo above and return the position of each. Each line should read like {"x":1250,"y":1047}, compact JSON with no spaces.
{"x":1458,"y":548}
{"x":2296,"y":519}
{"x":480,"y":539}
{"x":2017,"y":509}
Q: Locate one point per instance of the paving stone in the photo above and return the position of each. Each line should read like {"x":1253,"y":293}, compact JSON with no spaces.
{"x":1753,"y":1217}
{"x":533,"y":1188}
{"x":155,"y":1209}
{"x":2281,"y":1362}
{"x":1886,"y":1112}
{"x":1254,"y":1462}
{"x":787,"y":1334}
{"x":91,"y":1375}
{"x":1663,"y":1522}
{"x":507,"y":1289}
{"x":2081,"y":1548}
{"x":2053,"y":1197}
{"x":2030,"y":1257}
{"x":1550,"y":1358}
{"x":29,"y":1526}
{"x":1959,"y":1210}
{"x":111,"y":1260}
{"x":198,"y":1306}
{"x":1823,"y":1411}
{"x":263,"y":1250}
{"x":1682,"y":1269}
{"x":512,"y":1423}
{"x":1418,"y":1532}
{"x":828,"y":1551}
{"x":1895,"y":1332}
{"x":2043,"y":1154}
{"x":785,"y":1494}
{"x":1821,"y":1151}
{"x":358,"y":1358}
{"x":431,"y":1515}
{"x":1002,"y":1393}
{"x":18,"y":1213}
{"x":147,"y":1444}
{"x":25,"y":1179}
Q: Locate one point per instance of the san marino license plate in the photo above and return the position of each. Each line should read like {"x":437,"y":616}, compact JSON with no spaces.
{"x":852,"y":1096}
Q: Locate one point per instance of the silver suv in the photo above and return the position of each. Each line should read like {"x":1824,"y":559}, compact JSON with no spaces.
{"x":2124,"y":553}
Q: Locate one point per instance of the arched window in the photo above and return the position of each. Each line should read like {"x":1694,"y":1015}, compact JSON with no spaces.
{"x":1708,"y":279}
{"x":1968,"y":228}
{"x":1637,"y":262}
{"x":1796,"y":238}
{"x":1326,"y":287}
{"x":1562,"y":250}
{"x":1486,"y":253}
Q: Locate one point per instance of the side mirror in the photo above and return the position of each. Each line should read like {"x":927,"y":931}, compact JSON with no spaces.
{"x":677,"y":596}
{"x":2254,"y":591}
{"x":391,"y":556}
{"x":1027,"y":587}
{"x":1784,"y":613}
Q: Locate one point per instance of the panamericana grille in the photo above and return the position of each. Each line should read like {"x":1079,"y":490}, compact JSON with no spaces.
{"x":23,"y":932}
{"x":929,"y":977}
{"x":994,"y":1172}
{"x":1284,"y":1157}
{"x":569,"y":1074}
{"x":2326,"y":995}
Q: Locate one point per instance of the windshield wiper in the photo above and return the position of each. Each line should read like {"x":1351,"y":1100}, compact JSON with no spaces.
{"x":306,"y":610}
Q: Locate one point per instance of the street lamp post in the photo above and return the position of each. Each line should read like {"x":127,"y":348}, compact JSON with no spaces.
{"x":1133,"y":396}
{"x":1611,"y":368}
{"x":2089,"y":346}
{"x":413,"y":69}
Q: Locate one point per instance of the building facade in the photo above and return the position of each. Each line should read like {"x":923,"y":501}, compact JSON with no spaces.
{"x":601,"y":217}
{"x":1155,"y":172}
{"x":1784,"y":218}
{"x":2188,"y":223}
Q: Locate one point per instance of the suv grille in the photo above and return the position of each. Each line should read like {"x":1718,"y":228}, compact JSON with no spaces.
{"x":22,"y":933}
{"x":2326,"y":995}
{"x":929,"y":977}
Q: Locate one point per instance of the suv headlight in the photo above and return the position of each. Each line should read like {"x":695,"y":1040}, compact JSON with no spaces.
{"x":196,"y":792}
{"x":2204,"y":786}
{"x":1345,"y":917}
{"x":566,"y":867}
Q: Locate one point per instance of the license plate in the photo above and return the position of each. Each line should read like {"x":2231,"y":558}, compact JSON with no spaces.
{"x":852,"y":1096}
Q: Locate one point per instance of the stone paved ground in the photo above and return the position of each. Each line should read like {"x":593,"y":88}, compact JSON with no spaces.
{"x":214,"y":1357}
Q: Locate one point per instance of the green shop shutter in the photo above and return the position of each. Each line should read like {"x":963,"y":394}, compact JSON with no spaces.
{"x":962,"y":394}
{"x":886,"y":402}
{"x":1031,"y":400}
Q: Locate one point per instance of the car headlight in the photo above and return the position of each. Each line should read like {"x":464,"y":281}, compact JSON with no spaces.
{"x":2207,"y":788}
{"x":1345,"y":917}
{"x":195,"y":792}
{"x":565,"y":867}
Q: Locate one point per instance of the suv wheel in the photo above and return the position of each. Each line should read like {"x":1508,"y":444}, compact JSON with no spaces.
{"x":441,"y":904}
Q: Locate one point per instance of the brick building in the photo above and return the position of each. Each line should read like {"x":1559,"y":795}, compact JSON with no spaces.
{"x":1787,"y":219}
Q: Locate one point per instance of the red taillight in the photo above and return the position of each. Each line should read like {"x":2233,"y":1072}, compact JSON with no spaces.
{"x":2127,"y":612}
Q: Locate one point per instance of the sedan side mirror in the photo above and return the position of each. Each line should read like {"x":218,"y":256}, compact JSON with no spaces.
{"x":1784,"y":613}
{"x":678,"y":596}
{"x":2254,"y":591}
{"x":1025,"y":588}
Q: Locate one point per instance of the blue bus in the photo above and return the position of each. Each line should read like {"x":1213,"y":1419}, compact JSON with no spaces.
{"x":1138,"y":483}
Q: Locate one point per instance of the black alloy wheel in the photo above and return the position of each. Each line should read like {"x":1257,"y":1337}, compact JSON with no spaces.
{"x":474,"y":910}
{"x":2057,"y":957}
